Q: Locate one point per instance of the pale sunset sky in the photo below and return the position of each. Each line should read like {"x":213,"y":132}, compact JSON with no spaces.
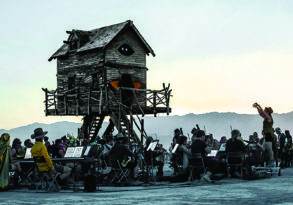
{"x":218,"y":55}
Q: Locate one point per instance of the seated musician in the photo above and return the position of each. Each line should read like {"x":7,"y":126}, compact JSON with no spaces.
{"x":59,"y":149}
{"x":184,"y":152}
{"x":120,"y":153}
{"x":28,"y":143}
{"x":17,"y":150}
{"x":48,"y":145}
{"x":235,"y":145}
{"x":254,"y":152}
{"x":211,"y":142}
{"x":107,"y":145}
{"x":153,"y":157}
{"x":175,"y":158}
{"x":43,"y":160}
{"x":212,"y":165}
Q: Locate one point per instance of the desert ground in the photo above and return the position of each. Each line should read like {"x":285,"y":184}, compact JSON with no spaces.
{"x":275,"y":190}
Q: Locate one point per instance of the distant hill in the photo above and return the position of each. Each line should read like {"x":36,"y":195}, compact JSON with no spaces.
{"x":219,"y":124}
{"x":162,"y":127}
{"x":55,"y":130}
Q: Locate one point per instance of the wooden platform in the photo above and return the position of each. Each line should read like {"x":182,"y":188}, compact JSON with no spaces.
{"x":83,"y":112}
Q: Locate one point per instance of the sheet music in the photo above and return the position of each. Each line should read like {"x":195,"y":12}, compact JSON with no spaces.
{"x":28,"y":154}
{"x":69,"y":152}
{"x":87,"y":151}
{"x":152,"y":146}
{"x":222,"y":148}
{"x":175,"y":148}
{"x":78,"y":152}
{"x":213,"y":153}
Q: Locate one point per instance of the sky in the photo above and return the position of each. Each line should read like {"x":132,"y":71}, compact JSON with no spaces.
{"x":218,"y":55}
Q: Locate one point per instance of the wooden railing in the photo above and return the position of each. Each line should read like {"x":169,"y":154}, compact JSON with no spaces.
{"x":153,"y":98}
{"x":61,"y":103}
{"x":75,"y":102}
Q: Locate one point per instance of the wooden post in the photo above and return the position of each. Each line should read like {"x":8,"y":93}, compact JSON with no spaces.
{"x":155,"y":103}
{"x":131,"y":126}
{"x":89,"y":101}
{"x":55,"y":104}
{"x":77,"y":102}
{"x":65,"y":104}
{"x":46,"y":101}
{"x":100,"y":101}
{"x":142,"y":131}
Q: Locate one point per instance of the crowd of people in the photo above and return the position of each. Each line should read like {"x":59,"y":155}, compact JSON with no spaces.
{"x":201,"y":157}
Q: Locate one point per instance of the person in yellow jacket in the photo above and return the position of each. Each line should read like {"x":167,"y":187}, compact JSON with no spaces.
{"x":40,"y":152}
{"x":44,"y":162}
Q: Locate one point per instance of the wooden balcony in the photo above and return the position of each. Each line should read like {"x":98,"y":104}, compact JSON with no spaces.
{"x":104,"y":101}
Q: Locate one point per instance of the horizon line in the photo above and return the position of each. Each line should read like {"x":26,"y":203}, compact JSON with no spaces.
{"x":161,"y":115}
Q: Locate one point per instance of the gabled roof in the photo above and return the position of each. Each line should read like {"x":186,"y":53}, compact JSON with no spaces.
{"x":101,"y":37}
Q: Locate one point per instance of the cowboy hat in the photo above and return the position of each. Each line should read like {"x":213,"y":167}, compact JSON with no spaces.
{"x":38,"y":133}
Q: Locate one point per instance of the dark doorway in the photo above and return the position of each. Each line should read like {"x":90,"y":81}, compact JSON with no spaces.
{"x":126,"y":81}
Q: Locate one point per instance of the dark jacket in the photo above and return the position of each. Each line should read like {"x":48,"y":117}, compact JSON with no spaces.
{"x":235,"y":145}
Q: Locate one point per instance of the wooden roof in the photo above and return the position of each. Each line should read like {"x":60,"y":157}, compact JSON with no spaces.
{"x":100,"y":38}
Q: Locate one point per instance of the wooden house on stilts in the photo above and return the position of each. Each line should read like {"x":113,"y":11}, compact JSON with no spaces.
{"x":102,"y":72}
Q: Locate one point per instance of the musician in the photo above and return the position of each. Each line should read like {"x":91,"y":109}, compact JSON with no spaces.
{"x":212,"y":164}
{"x":176,"y":138}
{"x":184,"y":152}
{"x":17,"y":150}
{"x":254,"y":152}
{"x":154,"y":158}
{"x":28,"y":143}
{"x":58,"y":149}
{"x":223,"y":140}
{"x":120,"y":152}
{"x":288,"y":149}
{"x":211,"y":142}
{"x":235,"y":145}
{"x":44,"y":162}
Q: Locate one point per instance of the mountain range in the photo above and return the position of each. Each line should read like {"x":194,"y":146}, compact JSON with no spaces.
{"x":161,"y":127}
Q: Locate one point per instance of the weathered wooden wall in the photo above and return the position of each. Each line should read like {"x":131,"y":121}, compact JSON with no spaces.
{"x":127,"y":37}
{"x":79,"y":65}
{"x":82,"y":66}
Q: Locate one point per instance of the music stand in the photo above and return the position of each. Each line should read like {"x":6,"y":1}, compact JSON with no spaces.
{"x":78,"y":152}
{"x":222,"y":148}
{"x":213,"y":153}
{"x":175,"y":148}
{"x":69,"y":152}
{"x":152,"y":146}
{"x":28,"y":154}
{"x":87,"y":151}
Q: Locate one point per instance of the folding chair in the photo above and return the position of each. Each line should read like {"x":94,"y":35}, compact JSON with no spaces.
{"x":46,"y":181}
{"x":235,"y":160}
{"x":196,"y":163}
{"x":120,"y":173}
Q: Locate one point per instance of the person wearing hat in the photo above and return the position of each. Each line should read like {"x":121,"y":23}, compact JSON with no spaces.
{"x":39,"y":150}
